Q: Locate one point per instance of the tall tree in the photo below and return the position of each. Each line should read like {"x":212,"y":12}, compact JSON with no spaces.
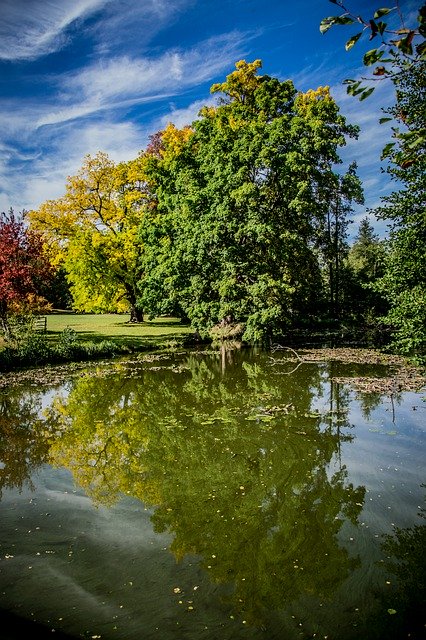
{"x":240,"y":198}
{"x":404,"y":281}
{"x":400,"y":57}
{"x":339,"y":193}
{"x":23,"y":269}
{"x":366,"y":265}
{"x":366,"y":254}
{"x":94,"y":228}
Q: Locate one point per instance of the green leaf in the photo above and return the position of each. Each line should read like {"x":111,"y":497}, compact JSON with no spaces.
{"x":353,"y":87}
{"x":344,"y":20}
{"x":381,"y":27}
{"x":372,"y":56}
{"x":387,"y":149}
{"x":327,"y":23}
{"x":421,"y":50}
{"x":382,"y":12}
{"x":404,"y":44}
{"x":366,"y":93}
{"x":350,"y":43}
{"x":358,"y":91}
{"x":383,"y":120}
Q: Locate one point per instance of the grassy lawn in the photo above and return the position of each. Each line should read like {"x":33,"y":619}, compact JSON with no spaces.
{"x":96,"y":336}
{"x":116,"y":327}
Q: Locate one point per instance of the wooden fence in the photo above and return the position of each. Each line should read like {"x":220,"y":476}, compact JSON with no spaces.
{"x":40,"y":324}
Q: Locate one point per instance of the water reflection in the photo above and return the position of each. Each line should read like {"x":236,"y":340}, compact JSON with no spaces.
{"x":241,"y":461}
{"x":23,"y":445}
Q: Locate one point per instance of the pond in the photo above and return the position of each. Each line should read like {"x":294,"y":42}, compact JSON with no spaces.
{"x":236,"y":494}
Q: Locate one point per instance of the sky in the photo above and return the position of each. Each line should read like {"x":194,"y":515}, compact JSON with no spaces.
{"x":82,"y":76}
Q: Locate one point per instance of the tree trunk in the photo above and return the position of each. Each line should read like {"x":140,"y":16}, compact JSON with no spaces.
{"x":4,"y":323}
{"x":136,"y":315}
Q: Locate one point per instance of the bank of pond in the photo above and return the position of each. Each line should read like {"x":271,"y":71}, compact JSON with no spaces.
{"x":215,"y":492}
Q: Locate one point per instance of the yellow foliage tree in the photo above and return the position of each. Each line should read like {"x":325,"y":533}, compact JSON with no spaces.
{"x":93,"y":230}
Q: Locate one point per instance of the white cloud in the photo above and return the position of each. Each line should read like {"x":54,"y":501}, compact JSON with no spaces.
{"x":123,"y":81}
{"x":134,"y":26}
{"x":182,"y":117}
{"x":44,"y":177}
{"x":46,"y":138}
{"x":30,"y":29}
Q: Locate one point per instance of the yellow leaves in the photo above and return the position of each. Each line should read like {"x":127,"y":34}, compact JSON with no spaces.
{"x":30,"y":303}
{"x":208,"y":112}
{"x":132,"y":184}
{"x":174,"y":140}
{"x":306,"y":102}
{"x":93,"y":230}
{"x":240,"y":83}
{"x":53,"y":219}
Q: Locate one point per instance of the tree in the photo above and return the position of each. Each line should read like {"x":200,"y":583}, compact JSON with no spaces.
{"x":94,"y":228}
{"x":23,"y":269}
{"x":366,"y":265}
{"x":366,"y":255}
{"x":333,"y":241}
{"x":239,"y":206}
{"x":402,"y":49}
{"x":404,"y":281}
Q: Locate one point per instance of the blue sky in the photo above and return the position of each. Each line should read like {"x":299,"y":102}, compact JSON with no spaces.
{"x":81,"y":76}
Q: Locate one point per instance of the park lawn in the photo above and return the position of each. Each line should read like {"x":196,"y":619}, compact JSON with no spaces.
{"x":116,"y":327}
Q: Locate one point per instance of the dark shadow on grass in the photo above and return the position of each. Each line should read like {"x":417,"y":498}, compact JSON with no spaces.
{"x":123,"y":339}
{"x":150,"y":323}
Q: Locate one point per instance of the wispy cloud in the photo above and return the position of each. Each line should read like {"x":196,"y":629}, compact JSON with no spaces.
{"x":122,"y":81}
{"x":32,"y":29}
{"x":27,"y":181}
{"x":131,"y":26}
{"x":88,"y":112}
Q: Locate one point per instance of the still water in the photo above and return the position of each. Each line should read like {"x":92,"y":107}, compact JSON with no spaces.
{"x":237,"y":495}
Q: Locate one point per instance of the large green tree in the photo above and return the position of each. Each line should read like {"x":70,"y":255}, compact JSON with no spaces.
{"x":400,"y":57}
{"x":339,"y":193}
{"x":365,"y":262}
{"x":240,"y":204}
{"x":404,"y":281}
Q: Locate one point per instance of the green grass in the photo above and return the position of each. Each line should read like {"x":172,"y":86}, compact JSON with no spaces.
{"x":116,"y":327}
{"x":93,"y":336}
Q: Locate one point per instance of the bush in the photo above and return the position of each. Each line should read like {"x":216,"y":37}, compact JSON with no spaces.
{"x":35,"y":350}
{"x":67,"y":342}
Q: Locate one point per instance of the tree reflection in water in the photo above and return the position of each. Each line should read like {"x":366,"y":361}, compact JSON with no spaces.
{"x":236,"y":463}
{"x":23,"y":445}
{"x":243,"y":471}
